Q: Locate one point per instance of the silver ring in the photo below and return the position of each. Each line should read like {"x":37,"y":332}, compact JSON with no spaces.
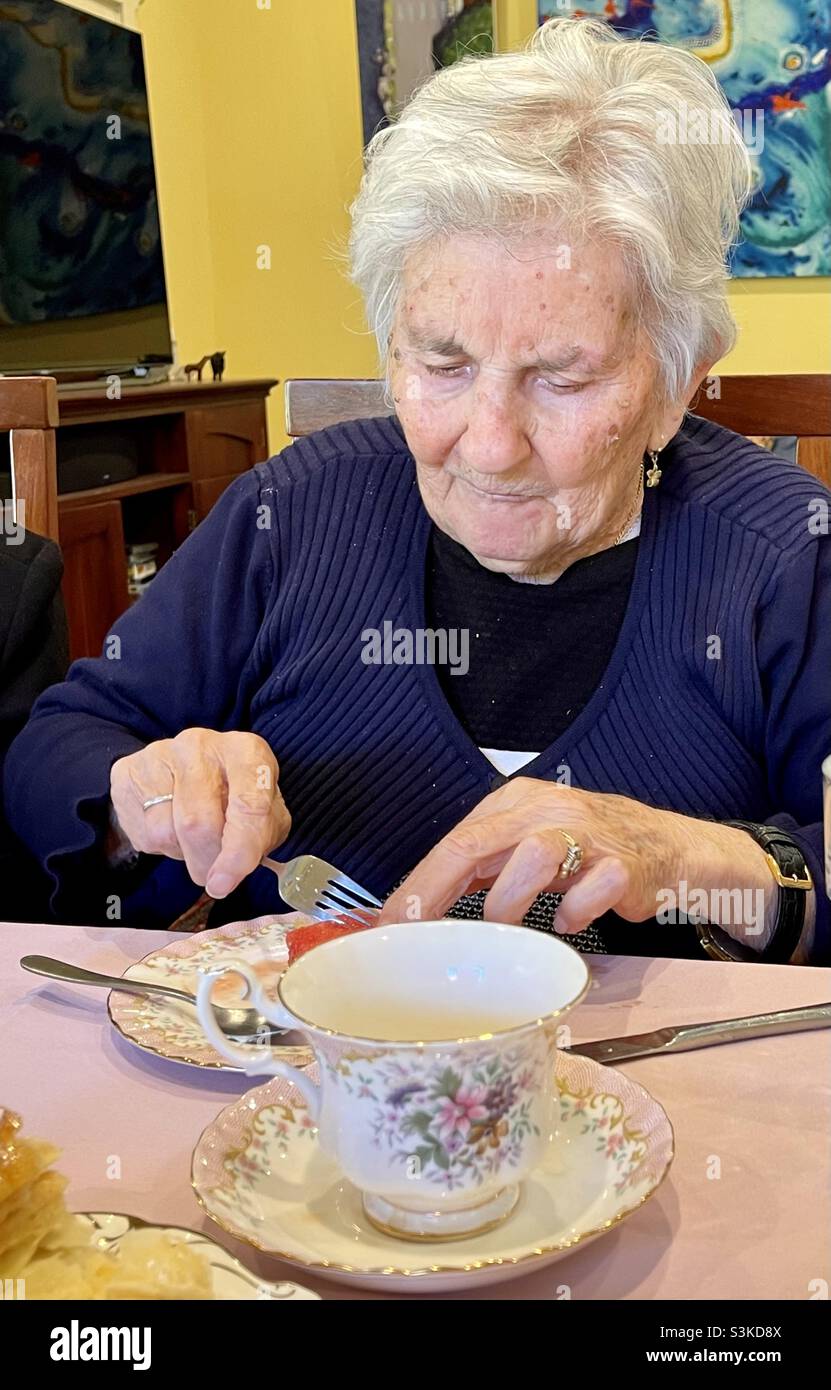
{"x":156,"y":801}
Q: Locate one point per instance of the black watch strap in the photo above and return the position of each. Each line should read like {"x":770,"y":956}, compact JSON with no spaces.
{"x":788,"y":867}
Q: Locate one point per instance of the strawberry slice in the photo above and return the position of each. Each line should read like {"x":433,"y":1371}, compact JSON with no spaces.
{"x":302,"y":939}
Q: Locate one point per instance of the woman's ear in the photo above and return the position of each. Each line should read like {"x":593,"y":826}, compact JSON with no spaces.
{"x":666,"y":426}
{"x":668,"y":420}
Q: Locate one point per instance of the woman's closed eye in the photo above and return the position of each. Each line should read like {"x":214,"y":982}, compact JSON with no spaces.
{"x":446,"y":371}
{"x":452,"y":372}
{"x":562,"y":388}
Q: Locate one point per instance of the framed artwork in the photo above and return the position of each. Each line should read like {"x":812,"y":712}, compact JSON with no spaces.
{"x":119,"y":11}
{"x":401,"y":42}
{"x":79,"y":221}
{"x":773,"y":61}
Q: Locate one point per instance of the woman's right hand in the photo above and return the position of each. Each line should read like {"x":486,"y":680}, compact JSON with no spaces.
{"x":226,"y":812}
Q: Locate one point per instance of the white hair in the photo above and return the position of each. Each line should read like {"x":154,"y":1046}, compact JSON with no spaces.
{"x":567,"y":133}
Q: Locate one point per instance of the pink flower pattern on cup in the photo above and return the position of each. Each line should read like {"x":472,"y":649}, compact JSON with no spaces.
{"x":451,"y":1126}
{"x":457,"y":1112}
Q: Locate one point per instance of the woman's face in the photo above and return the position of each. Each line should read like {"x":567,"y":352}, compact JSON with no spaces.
{"x":527,"y":396}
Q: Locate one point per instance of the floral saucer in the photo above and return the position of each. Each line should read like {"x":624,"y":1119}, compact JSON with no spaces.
{"x":260,"y":1175}
{"x":231,"y":1280}
{"x":171,"y":1029}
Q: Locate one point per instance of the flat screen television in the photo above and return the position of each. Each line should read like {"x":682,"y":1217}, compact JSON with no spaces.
{"x":82,"y":283}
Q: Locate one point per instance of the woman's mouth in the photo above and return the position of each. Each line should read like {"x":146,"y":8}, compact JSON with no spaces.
{"x":495,"y":495}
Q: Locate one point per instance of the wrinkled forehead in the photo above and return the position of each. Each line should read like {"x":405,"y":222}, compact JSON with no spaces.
{"x":535,"y":295}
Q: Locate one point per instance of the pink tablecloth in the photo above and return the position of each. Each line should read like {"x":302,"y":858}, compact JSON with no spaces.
{"x":760,"y":1230}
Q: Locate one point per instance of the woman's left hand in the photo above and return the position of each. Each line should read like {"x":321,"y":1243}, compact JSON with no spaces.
{"x":512,"y":844}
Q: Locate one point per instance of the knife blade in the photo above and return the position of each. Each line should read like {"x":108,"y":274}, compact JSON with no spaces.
{"x":689,"y":1036}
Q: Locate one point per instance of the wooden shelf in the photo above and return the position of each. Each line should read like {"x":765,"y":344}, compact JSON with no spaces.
{"x":191,"y":442}
{"x":131,"y":487}
{"x":91,"y":404}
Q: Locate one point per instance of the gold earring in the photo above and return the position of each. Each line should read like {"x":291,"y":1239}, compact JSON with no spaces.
{"x":653,"y":474}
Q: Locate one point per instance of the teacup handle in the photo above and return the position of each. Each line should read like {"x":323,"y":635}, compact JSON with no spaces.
{"x":252,"y":1058}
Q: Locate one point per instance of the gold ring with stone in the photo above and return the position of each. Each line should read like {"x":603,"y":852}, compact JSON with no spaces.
{"x":574,"y":856}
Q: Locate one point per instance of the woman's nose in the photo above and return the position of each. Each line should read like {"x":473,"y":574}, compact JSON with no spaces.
{"x":495,"y":439}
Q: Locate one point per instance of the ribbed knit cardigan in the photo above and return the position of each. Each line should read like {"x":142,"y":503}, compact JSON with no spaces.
{"x":716,"y":701}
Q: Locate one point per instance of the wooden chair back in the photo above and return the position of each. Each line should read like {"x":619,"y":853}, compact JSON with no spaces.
{"x":29,"y":413}
{"x":761,"y":407}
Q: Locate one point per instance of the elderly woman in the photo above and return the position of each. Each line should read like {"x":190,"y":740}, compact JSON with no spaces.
{"x":620,"y":735}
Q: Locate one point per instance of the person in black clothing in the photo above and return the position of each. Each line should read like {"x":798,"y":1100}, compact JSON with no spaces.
{"x":33,"y":655}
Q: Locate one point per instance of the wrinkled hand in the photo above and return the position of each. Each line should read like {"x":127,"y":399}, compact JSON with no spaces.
{"x":226,"y":812}
{"x":512,"y":845}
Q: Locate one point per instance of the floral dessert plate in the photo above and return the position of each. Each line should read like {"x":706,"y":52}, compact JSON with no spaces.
{"x":230,"y":1279}
{"x":260,"y":1174}
{"x":171,"y":1029}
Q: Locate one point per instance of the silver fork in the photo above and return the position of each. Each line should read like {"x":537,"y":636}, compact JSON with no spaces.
{"x":319,"y":889}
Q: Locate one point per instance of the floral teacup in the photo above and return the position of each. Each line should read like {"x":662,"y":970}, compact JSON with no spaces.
{"x":436,"y":1044}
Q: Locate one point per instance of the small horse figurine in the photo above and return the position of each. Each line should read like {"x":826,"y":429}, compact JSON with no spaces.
{"x":217,"y":361}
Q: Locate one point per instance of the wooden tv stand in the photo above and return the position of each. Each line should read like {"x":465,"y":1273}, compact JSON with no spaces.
{"x":193,"y":439}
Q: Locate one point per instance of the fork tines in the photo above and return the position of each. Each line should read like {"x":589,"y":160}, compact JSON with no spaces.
{"x":343,"y":894}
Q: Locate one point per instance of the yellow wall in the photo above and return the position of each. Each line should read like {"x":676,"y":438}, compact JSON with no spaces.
{"x":258,"y":136}
{"x":176,"y":87}
{"x":258,"y":133}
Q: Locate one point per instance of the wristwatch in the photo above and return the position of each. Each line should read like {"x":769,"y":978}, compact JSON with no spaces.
{"x":787,"y":864}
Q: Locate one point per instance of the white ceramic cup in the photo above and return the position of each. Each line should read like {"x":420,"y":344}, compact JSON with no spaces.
{"x":435,"y":1042}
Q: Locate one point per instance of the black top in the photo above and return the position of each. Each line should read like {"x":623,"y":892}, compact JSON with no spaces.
{"x":33,"y":655}
{"x":537,"y":652}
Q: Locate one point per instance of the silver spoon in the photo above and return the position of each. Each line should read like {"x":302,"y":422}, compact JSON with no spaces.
{"x":242,"y":1024}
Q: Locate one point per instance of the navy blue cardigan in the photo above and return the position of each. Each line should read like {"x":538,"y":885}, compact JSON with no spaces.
{"x":716,"y":701}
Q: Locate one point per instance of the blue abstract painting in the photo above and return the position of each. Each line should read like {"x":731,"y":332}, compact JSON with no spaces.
{"x":79,"y":223}
{"x":772,"y":58}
